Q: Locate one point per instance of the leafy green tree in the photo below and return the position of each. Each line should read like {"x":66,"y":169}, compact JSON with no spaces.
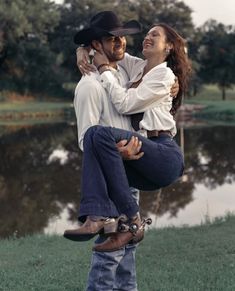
{"x":25,"y":26}
{"x":26,"y":19}
{"x":37,"y":53}
{"x":217,"y":55}
{"x":173,"y":12}
{"x":75,"y":14}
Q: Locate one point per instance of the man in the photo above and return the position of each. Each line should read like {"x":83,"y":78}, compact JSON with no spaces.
{"x":111,"y":270}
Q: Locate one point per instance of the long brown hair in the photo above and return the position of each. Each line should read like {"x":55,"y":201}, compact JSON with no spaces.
{"x":178,"y":61}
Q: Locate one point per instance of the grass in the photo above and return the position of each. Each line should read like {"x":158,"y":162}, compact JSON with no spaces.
{"x":33,"y":106}
{"x":212,"y":92}
{"x":34,"y":112}
{"x":215,"y":108}
{"x":188,"y":258}
{"x":199,"y":258}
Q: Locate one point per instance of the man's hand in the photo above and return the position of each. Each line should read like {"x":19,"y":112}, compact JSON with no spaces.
{"x":130,"y":150}
{"x":83,"y":60}
{"x":175,"y":88}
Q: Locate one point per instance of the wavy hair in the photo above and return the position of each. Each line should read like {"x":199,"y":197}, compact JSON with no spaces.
{"x":178,"y":61}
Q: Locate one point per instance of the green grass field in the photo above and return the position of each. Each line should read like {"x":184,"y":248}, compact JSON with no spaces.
{"x":180,"y":259}
{"x":215,"y":108}
{"x":212,"y":92}
{"x":33,"y":106}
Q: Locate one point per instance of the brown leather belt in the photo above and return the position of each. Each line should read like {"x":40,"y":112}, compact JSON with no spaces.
{"x":155,"y":133}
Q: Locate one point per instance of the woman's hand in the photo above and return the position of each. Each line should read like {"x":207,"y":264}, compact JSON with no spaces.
{"x":84,"y":60}
{"x":100,"y":58}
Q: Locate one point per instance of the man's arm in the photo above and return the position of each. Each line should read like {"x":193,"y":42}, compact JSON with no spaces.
{"x":88,"y":107}
{"x":129,"y":64}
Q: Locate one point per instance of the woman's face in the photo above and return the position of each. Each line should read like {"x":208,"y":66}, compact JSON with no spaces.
{"x":155,"y":42}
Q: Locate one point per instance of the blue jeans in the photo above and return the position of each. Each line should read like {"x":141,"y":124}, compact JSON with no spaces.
{"x":106,"y":178}
{"x":114,"y":271}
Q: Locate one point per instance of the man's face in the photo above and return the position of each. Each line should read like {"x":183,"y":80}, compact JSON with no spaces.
{"x":114,"y":47}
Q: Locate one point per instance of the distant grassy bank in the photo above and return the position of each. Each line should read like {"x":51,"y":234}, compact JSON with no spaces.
{"x":209,"y":96}
{"x":33,"y":110}
{"x":212,"y":92}
{"x":188,"y":258}
{"x":214,"y":107}
{"x":32,"y":106}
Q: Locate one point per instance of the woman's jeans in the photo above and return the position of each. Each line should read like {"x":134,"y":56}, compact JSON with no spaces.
{"x":106,"y":178}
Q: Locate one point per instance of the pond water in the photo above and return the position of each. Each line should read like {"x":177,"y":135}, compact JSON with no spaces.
{"x":40,"y":168}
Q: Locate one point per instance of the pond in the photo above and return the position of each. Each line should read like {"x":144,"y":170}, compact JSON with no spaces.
{"x":40,"y":167}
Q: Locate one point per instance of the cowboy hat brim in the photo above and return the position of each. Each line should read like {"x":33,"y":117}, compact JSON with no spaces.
{"x":85,"y":36}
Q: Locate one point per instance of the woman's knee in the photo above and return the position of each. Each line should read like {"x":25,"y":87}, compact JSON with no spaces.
{"x":103,"y":133}
{"x":89,"y":136}
{"x":91,"y":130}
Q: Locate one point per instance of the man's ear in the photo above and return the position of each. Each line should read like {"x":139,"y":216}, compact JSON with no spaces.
{"x":96,"y":44}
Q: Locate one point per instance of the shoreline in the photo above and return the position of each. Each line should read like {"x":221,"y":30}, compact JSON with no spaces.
{"x":189,"y":111}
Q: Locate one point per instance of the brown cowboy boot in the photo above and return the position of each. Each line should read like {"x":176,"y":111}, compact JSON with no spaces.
{"x":118,"y":240}
{"x":92,"y":227}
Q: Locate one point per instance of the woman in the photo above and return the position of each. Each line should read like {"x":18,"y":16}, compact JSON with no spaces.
{"x":106,"y":178}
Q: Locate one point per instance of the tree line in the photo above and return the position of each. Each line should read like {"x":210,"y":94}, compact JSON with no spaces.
{"x":37,"y":53}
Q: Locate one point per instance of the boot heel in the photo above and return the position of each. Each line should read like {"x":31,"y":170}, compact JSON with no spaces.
{"x":111,"y":226}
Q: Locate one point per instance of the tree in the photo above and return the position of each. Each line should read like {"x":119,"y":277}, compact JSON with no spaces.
{"x":24,"y":29}
{"x":37,"y":52}
{"x":26,"y":19}
{"x":217,"y":55}
{"x":173,"y":12}
{"x":75,"y":14}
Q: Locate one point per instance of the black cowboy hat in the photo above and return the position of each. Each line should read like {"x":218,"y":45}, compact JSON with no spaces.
{"x":105,"y":23}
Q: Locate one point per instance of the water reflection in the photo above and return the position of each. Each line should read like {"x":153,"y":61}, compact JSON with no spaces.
{"x":40,"y":168}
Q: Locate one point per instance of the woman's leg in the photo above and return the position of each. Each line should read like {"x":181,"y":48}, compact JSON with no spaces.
{"x":104,"y":182}
{"x":104,"y":178}
{"x":161,"y":164}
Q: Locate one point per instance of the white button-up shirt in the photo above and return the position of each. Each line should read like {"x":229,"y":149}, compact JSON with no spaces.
{"x":93,"y":106}
{"x":152,"y":96}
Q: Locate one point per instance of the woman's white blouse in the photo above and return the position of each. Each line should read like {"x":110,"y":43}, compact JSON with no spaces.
{"x":152,"y":97}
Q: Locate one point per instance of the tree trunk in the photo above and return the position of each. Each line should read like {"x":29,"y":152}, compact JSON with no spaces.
{"x":3,"y":55}
{"x":223,"y":93}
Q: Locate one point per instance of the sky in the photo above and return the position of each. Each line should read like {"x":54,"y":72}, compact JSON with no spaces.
{"x":220,"y":10}
{"x":203,"y":10}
